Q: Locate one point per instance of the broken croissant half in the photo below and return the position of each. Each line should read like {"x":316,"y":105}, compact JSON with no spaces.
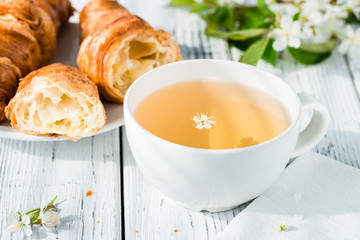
{"x":56,"y":100}
{"x":118,"y":47}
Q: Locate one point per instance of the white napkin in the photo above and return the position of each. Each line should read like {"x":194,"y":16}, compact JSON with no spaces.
{"x":316,"y":197}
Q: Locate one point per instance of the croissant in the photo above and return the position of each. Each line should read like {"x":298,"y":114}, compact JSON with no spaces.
{"x":28,"y":32}
{"x":118,"y":47}
{"x":56,"y":100}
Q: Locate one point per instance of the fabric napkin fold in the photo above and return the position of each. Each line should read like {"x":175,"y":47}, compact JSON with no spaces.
{"x":316,"y":198}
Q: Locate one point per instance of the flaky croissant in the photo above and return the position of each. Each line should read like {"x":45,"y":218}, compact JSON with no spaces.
{"x":28,"y":32}
{"x":56,"y":100}
{"x":118,"y":47}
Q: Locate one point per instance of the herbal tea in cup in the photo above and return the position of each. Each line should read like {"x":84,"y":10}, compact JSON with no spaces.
{"x":212,"y":134}
{"x":212,"y":114}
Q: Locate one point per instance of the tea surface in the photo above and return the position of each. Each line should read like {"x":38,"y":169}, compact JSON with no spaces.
{"x":212,"y":114}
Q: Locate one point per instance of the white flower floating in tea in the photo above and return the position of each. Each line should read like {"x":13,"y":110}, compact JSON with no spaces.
{"x":203,"y":121}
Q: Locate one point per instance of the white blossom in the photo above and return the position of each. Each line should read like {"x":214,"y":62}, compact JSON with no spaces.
{"x":352,"y":5}
{"x":311,"y":15}
{"x":349,"y":3}
{"x":352,"y":39}
{"x":334,"y":17}
{"x":222,"y":2}
{"x":203,"y":121}
{"x":356,"y":11}
{"x":335,"y":11}
{"x":287,"y":34}
{"x":21,"y":227}
{"x":307,"y":33}
{"x":312,"y":12}
{"x":321,"y":35}
{"x":320,"y":20}
{"x":316,"y":4}
{"x":284,"y":9}
{"x":49,"y":218}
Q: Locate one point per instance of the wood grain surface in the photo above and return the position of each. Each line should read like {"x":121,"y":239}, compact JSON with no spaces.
{"x":33,"y":172}
{"x":125,"y":205}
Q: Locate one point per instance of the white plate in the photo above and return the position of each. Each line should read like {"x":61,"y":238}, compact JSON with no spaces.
{"x":67,"y":49}
{"x":114,"y":119}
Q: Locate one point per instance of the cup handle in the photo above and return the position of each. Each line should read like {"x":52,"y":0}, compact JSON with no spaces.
{"x":317,"y":127}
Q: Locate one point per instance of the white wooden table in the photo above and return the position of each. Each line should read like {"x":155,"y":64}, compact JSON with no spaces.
{"x":125,"y":205}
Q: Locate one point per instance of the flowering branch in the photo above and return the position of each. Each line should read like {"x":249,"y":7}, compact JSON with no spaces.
{"x":46,"y":215}
{"x":309,"y":29}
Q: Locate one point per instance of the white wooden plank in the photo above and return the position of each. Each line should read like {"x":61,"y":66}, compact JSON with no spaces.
{"x":353,"y":62}
{"x":194,"y":44}
{"x":148,"y":9}
{"x":34,"y":171}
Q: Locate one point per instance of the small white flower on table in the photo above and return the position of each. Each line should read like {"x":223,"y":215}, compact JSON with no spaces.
{"x":287,"y":34}
{"x":50,"y":217}
{"x":203,"y":121}
{"x":19,"y":224}
{"x":352,"y":38}
{"x":283,"y":227}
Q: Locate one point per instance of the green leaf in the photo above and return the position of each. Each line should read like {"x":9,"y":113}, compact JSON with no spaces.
{"x":265,"y":8}
{"x":319,"y":47}
{"x":243,"y":45}
{"x":239,"y":34}
{"x":307,"y":57}
{"x":52,"y":201}
{"x":311,"y":53}
{"x":182,"y":3}
{"x":221,"y":19}
{"x":270,"y":54}
{"x":224,"y":16}
{"x":34,"y":210}
{"x":213,"y":3}
{"x":34,"y":216}
{"x":16,"y":212}
{"x":296,"y":16}
{"x":255,"y":52}
{"x":352,"y":18}
{"x":252,"y":17}
{"x":199,"y":7}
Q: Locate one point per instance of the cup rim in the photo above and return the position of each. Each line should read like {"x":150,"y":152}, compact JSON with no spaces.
{"x":206,"y":150}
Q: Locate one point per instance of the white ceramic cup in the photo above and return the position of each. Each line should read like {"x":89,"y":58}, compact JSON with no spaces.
{"x":218,"y":180}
